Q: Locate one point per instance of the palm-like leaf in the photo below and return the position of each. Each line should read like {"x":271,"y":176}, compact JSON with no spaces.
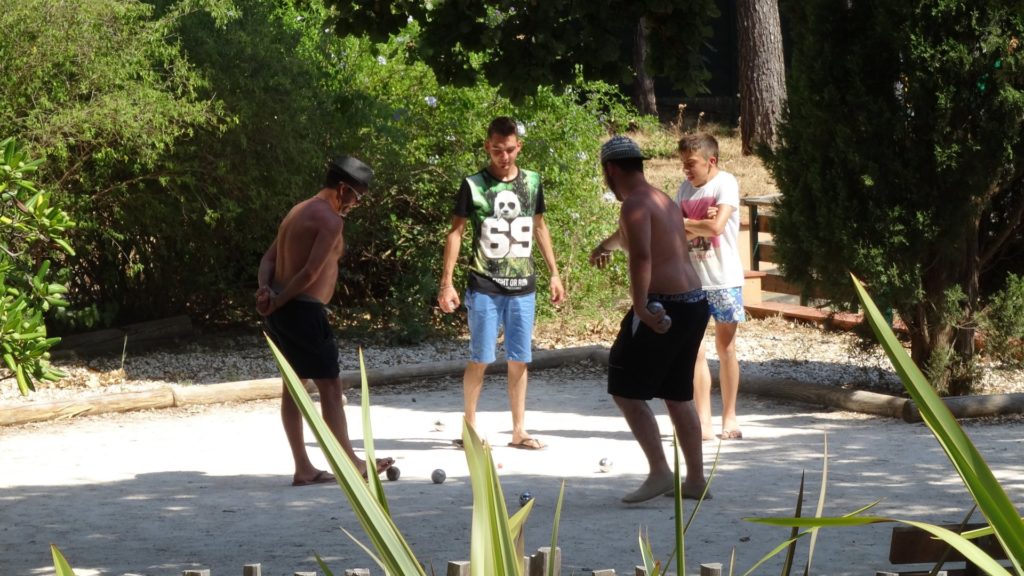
{"x":395,"y":555}
{"x":492,"y":544}
{"x":967,"y":548}
{"x":60,"y":565}
{"x":977,"y":476}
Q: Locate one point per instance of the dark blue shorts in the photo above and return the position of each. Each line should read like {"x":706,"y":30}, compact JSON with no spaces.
{"x":301,"y":331}
{"x":643,"y":364}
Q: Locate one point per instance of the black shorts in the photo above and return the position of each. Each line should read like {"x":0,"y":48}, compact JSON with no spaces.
{"x":301,"y":331}
{"x":643,"y":364}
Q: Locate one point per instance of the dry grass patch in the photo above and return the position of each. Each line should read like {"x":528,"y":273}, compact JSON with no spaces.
{"x":666,"y":172}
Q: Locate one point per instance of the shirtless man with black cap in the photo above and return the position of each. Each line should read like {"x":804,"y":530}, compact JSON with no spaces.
{"x":297,"y":278}
{"x":654,"y":353}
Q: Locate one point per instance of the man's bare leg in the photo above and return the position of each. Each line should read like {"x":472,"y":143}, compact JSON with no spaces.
{"x":517,"y":379}
{"x":333,"y":409}
{"x":472,"y":385}
{"x":728,"y":375}
{"x":642,"y":423}
{"x":702,"y":393}
{"x":687,"y":425}
{"x":291,"y":419}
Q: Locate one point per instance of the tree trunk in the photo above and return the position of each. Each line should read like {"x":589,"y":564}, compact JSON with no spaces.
{"x":942,"y":340}
{"x":962,"y":380}
{"x":643,"y":84}
{"x":762,"y":72}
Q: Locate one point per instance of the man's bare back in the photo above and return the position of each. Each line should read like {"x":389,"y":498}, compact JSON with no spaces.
{"x":309,"y":245}
{"x":653,"y":229}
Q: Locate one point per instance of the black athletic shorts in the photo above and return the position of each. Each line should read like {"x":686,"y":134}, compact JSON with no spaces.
{"x":643,"y":364}
{"x":302,"y":332}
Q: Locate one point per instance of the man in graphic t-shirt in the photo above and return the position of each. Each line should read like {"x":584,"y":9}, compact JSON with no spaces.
{"x":710,"y":201}
{"x":504,"y":205}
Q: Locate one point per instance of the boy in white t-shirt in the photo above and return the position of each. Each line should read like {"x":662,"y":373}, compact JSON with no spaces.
{"x":710,"y":201}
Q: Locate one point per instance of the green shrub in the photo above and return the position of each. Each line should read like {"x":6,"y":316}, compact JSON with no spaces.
{"x":180,"y":144}
{"x":33,"y":231}
{"x":1003,"y":323}
{"x":893,"y":163}
{"x":103,"y":92}
{"x":422,"y":139}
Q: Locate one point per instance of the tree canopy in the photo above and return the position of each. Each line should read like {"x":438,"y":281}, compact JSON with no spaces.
{"x":531,"y":43}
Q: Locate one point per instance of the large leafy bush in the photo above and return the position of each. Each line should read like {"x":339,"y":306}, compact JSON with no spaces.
{"x":33,"y":231}
{"x":901,"y":159}
{"x":180,"y":141}
{"x":104,"y":93}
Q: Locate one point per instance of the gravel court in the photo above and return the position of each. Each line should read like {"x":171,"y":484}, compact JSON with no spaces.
{"x":158,"y":492}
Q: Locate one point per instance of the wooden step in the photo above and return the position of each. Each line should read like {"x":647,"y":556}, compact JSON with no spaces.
{"x":752,"y":286}
{"x":840,"y":320}
{"x":766,"y":251}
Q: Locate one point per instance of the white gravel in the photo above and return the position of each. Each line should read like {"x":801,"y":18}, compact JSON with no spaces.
{"x":772,"y":347}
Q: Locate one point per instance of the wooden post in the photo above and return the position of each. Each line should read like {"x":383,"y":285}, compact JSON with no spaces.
{"x":714,"y":569}
{"x":641,"y":571}
{"x":200,"y":572}
{"x":539,"y":562}
{"x":604,"y":572}
{"x":252,"y":570}
{"x":458,"y":568}
{"x":535,"y":566}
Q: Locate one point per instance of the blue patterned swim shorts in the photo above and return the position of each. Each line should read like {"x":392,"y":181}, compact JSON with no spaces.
{"x":727,"y":305}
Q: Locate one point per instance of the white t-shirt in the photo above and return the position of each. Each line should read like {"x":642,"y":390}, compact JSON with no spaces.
{"x":716,"y":259}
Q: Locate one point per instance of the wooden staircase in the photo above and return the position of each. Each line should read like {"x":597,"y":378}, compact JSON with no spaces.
{"x":766,"y":292}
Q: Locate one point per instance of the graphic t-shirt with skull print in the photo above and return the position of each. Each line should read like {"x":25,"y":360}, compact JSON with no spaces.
{"x":501,"y":214}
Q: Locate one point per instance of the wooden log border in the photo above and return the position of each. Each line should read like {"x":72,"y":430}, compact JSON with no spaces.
{"x":16,"y":412}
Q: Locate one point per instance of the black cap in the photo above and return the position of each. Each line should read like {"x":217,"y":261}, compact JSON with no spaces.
{"x":354,"y":168}
{"x":620,"y":148}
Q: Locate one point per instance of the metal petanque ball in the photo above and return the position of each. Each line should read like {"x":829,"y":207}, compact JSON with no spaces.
{"x":394,"y":473}
{"x":437,"y":476}
{"x":654,"y":307}
{"x":524,"y":498}
{"x":605,"y":464}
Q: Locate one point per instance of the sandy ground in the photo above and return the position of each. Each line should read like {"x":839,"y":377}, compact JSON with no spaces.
{"x":156,"y":493}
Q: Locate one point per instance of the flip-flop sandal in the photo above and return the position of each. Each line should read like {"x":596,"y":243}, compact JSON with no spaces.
{"x":527,"y":444}
{"x":322,"y":477}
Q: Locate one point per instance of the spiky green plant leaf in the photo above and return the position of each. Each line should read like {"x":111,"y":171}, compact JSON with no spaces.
{"x":492,"y":545}
{"x":60,"y":564}
{"x":395,"y":555}
{"x":968,"y":549}
{"x":821,"y":504}
{"x":376,"y":488}
{"x":992,"y":500}
{"x":554,"y":529}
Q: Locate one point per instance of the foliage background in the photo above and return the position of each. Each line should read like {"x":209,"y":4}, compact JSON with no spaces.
{"x":179,"y":133}
{"x":32,"y":233}
{"x":901,"y":161}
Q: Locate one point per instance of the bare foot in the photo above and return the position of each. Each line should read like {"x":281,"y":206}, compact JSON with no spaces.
{"x":382,"y":465}
{"x":653,"y":486}
{"x":691,"y":492}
